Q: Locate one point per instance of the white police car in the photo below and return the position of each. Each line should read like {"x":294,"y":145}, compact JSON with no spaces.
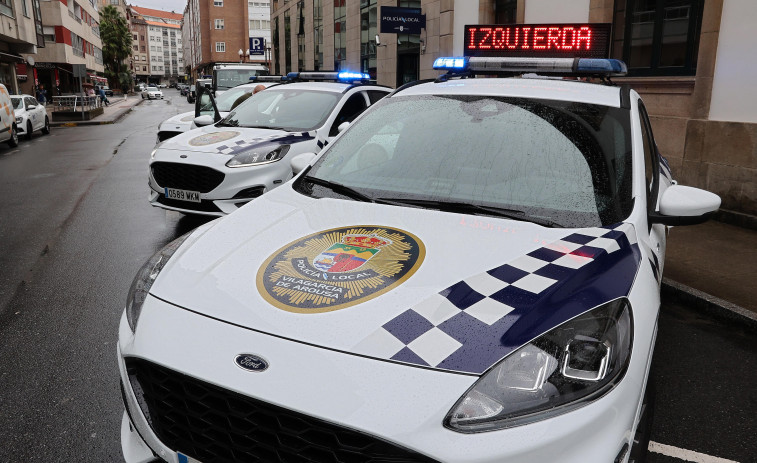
{"x":216,"y":169}
{"x":469,"y":273}
{"x":180,"y":123}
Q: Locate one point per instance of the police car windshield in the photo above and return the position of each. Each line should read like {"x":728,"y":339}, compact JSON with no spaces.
{"x":226,"y":99}
{"x":294,"y":110}
{"x":559,"y":162}
{"x":17,"y":103}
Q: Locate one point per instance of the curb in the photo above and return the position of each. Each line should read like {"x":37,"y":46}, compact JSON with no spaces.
{"x":118,"y":116}
{"x":711,"y":305}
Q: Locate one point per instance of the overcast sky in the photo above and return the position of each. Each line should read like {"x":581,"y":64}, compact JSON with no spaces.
{"x":177,"y":6}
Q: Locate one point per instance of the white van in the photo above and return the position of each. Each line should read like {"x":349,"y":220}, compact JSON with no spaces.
{"x":8,"y":131}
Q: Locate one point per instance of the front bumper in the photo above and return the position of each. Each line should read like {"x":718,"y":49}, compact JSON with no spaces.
{"x":399,"y":404}
{"x":237,"y":186}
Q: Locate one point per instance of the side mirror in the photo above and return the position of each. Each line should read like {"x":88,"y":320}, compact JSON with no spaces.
{"x":301,"y":161}
{"x":31,"y":106}
{"x":343,"y":126}
{"x":202,"y":121}
{"x":684,"y":205}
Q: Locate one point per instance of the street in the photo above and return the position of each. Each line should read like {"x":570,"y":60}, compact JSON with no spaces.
{"x":76,"y":226}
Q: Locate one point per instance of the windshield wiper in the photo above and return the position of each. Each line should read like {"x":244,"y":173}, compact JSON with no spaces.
{"x":468,"y":208}
{"x":339,"y":188}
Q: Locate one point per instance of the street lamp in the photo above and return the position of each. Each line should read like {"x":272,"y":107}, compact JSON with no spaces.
{"x":243,"y":54}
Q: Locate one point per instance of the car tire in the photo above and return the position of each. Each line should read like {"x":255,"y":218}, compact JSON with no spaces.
{"x":29,"y":130}
{"x":640,"y":447}
{"x":13,"y":140}
{"x":46,"y":127}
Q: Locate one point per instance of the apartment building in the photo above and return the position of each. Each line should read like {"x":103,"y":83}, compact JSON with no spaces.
{"x":139,"y":63}
{"x":259,"y":14}
{"x":691,"y":60}
{"x":164,"y":45}
{"x":71,"y":31}
{"x":20,"y":34}
{"x":217,"y":30}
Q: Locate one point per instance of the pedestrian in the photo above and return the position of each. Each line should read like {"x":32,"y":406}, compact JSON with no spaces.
{"x":103,"y":97}
{"x":42,"y":95}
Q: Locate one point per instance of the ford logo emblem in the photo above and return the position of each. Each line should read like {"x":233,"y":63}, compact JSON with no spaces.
{"x":251,"y":362}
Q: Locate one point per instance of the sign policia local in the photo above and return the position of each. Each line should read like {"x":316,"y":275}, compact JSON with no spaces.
{"x":396,"y":20}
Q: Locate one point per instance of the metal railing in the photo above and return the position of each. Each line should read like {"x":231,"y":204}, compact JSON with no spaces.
{"x":76,"y":103}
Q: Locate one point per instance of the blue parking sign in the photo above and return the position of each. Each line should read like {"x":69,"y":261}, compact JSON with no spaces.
{"x":257,"y":45}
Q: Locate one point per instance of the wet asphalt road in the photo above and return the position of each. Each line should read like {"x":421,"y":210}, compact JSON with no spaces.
{"x":76,"y":226}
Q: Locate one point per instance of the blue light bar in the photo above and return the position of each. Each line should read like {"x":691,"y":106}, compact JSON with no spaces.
{"x":451,"y":63}
{"x":518,"y":65}
{"x":350,"y":76}
{"x":601,"y":66}
{"x":267,"y":78}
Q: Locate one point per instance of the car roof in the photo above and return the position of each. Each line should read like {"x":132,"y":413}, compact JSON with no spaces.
{"x":520,"y":87}
{"x":22,"y":95}
{"x":328,"y":86}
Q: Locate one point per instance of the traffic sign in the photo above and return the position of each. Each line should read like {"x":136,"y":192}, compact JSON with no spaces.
{"x":257,"y":45}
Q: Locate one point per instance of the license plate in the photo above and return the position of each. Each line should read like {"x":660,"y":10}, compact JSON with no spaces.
{"x":182,"y":195}
{"x":186,"y":459}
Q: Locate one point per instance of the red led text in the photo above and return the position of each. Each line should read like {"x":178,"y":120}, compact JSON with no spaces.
{"x":516,"y":38}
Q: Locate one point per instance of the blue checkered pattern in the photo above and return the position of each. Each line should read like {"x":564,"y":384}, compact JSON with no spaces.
{"x":242,"y":145}
{"x":462,"y":328}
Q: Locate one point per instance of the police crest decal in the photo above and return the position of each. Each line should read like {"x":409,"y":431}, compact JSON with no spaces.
{"x":338,"y":268}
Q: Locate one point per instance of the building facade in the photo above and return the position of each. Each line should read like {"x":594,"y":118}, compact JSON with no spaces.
{"x":139,"y":63}
{"x":72,"y":36}
{"x":217,"y":30}
{"x":691,"y":60}
{"x":21,"y":34}
{"x":163,"y":45}
{"x":259,"y":14}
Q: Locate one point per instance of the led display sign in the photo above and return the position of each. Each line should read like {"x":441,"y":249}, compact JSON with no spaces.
{"x":537,"y":40}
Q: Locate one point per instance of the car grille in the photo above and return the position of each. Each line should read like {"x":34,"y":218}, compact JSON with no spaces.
{"x":213,"y":424}
{"x":186,"y":176}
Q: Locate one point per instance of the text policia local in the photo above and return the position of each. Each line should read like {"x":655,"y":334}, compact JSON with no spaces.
{"x":530,"y":38}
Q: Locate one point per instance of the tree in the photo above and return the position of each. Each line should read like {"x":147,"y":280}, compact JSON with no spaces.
{"x":116,"y":38}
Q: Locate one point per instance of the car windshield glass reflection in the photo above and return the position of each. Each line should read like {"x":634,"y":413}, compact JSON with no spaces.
{"x":561,"y":163}
{"x":293,"y":110}
{"x":18,"y":103}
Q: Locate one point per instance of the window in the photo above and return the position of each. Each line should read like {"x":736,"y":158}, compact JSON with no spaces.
{"x":658,"y":37}
{"x":219,"y":23}
{"x":368,"y":31}
{"x":136,"y":47}
{"x":651,"y":164}
{"x":340,"y":34}
{"x":24,"y":9}
{"x":352,"y":108}
{"x":318,"y":32}
{"x":287,"y":42}
{"x":217,"y":2}
{"x":6,"y":7}
{"x":134,"y":36}
{"x":220,"y":47}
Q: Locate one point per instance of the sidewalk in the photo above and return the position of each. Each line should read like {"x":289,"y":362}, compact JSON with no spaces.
{"x":118,"y":108}
{"x":713,"y":267}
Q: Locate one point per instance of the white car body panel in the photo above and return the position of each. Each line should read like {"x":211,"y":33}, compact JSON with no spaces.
{"x":24,"y":115}
{"x":268,"y":175}
{"x":206,"y":307}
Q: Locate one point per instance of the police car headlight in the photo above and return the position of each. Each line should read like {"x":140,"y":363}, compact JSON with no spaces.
{"x":145,"y":277}
{"x":259,"y":155}
{"x":19,"y":119}
{"x":564,"y":369}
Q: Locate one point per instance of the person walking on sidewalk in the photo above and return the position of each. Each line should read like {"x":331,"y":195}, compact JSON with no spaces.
{"x":103,"y":97}
{"x":42,"y":95}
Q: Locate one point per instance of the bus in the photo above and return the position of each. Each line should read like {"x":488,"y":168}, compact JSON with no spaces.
{"x":228,"y":75}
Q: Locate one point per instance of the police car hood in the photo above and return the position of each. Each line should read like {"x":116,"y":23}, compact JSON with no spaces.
{"x":444,"y":290}
{"x":229,"y":140}
{"x":178,"y":122}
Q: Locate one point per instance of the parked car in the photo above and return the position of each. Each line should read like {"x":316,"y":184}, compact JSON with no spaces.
{"x":247,"y":153}
{"x":470,"y":272}
{"x":182,"y":122}
{"x":152,"y":93}
{"x":30,"y":115}
{"x":8,"y":128}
